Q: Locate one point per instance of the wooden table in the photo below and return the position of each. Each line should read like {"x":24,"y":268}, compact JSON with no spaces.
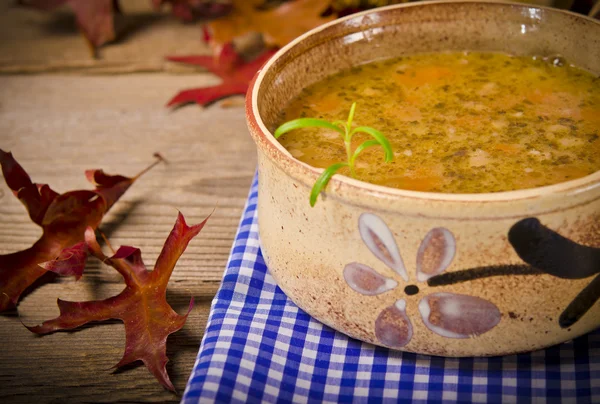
{"x":67,"y":117}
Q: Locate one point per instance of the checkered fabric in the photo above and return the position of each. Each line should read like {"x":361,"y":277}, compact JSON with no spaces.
{"x":260,"y":347}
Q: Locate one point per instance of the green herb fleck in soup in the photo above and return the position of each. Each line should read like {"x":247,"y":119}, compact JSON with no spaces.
{"x":457,"y":122}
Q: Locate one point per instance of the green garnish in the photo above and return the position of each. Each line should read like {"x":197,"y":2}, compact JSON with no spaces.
{"x":345,"y":129}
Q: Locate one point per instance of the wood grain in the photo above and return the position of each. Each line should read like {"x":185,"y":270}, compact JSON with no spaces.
{"x":32,"y":41}
{"x":59,"y":125}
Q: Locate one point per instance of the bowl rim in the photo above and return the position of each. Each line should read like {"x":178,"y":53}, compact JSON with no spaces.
{"x":264,"y":138}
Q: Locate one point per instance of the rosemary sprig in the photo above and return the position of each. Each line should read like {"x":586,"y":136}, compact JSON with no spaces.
{"x":345,"y":129}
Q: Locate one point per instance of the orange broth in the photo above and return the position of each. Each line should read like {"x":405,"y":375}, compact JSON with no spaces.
{"x":463,"y":122}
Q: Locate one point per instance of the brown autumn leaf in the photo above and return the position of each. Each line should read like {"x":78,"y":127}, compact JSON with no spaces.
{"x":142,"y":305}
{"x":278,"y":25}
{"x":94,"y":17}
{"x":63,"y":219}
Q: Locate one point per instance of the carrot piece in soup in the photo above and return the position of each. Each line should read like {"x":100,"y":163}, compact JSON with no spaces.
{"x":590,"y":114}
{"x":508,"y":148}
{"x":424,"y":75}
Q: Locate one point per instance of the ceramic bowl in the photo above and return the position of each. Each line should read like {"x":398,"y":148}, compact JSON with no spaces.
{"x":432,"y":273}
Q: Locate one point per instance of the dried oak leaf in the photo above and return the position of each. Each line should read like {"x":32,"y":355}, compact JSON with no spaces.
{"x":190,"y":10}
{"x":94,"y":17}
{"x":142,"y":305}
{"x":278,"y":25}
{"x":63,"y":219}
{"x":229,"y":66}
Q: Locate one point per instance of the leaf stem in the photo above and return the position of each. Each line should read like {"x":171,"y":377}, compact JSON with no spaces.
{"x":348,"y":140}
{"x":348,"y":145}
{"x":159,"y":159}
{"x":106,"y":241}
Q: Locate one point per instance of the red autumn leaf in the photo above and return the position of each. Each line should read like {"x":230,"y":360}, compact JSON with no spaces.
{"x":70,"y":261}
{"x":230,"y":67}
{"x":63,"y":219}
{"x":94,"y":17}
{"x":142,"y":305}
{"x":190,"y":10}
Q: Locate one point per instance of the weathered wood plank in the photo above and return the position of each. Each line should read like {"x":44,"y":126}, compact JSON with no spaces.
{"x":58,"y":126}
{"x":35,"y":42}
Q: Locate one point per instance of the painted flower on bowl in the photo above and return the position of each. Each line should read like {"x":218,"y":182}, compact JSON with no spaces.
{"x":447,"y":314}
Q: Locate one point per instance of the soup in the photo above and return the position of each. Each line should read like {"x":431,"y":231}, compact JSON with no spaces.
{"x":458,"y":122}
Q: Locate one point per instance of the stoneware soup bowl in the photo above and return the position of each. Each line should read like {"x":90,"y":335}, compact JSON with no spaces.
{"x":432,"y":273}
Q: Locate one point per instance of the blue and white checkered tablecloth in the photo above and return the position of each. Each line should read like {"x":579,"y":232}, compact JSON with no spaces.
{"x":260,"y":347}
